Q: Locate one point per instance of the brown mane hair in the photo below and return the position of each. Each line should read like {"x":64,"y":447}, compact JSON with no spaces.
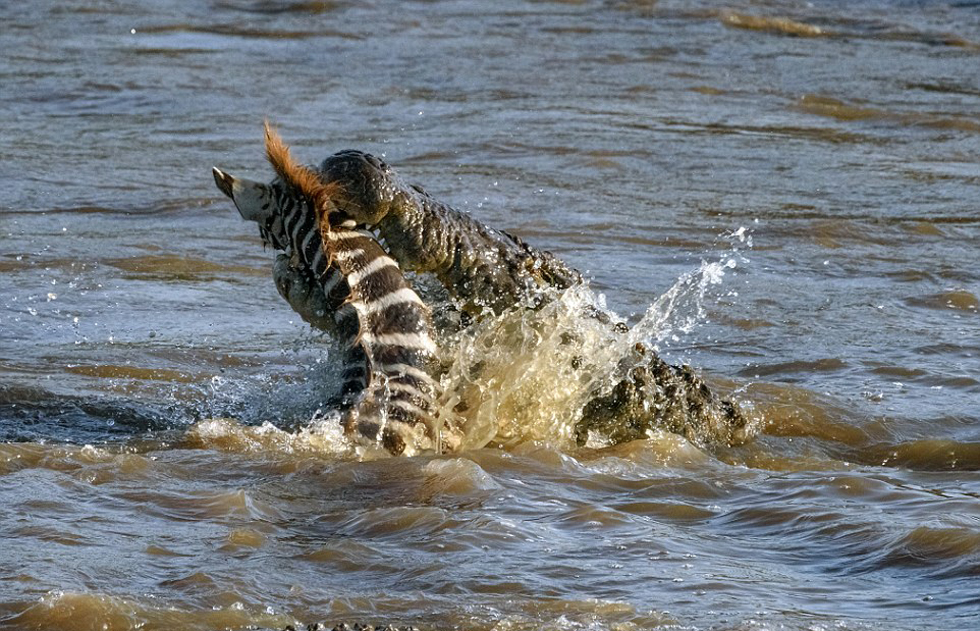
{"x":299,"y":177}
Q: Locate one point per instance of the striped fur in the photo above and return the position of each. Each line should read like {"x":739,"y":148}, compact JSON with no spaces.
{"x":387,"y":382}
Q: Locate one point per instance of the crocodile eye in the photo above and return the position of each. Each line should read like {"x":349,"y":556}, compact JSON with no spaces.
{"x":376,"y":162}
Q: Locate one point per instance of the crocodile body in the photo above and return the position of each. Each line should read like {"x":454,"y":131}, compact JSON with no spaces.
{"x":481,"y":267}
{"x":488,"y":269}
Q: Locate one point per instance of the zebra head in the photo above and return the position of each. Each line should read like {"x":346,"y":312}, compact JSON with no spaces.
{"x":257,"y":202}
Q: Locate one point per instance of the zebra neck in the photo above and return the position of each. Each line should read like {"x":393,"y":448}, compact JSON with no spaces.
{"x":387,"y":378}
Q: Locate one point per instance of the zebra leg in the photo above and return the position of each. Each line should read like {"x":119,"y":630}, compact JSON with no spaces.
{"x":387,"y":391}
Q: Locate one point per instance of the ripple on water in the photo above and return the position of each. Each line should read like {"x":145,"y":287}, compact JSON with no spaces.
{"x":80,"y":611}
{"x":926,"y":455}
{"x":342,"y":554}
{"x":239,"y":538}
{"x":218,"y":506}
{"x":171,"y":267}
{"x":459,"y":477}
{"x":783,"y":26}
{"x":396,"y":522}
{"x":829,"y":364}
{"x":668,"y":511}
{"x":94,"y":465}
{"x":956,"y":299}
{"x":636,"y":458}
{"x":944,"y":551}
{"x":235,"y":30}
{"x":835,"y":108}
{"x":791,"y":411}
{"x":317,"y":438}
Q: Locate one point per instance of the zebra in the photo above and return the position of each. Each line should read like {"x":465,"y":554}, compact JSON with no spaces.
{"x":389,"y":388}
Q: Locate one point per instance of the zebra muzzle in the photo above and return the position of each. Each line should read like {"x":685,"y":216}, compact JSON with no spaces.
{"x":224,"y":181}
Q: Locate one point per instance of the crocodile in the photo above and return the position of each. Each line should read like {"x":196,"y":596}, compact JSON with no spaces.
{"x":488,"y":272}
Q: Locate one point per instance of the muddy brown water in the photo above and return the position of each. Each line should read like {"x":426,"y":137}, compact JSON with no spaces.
{"x":784,"y":194}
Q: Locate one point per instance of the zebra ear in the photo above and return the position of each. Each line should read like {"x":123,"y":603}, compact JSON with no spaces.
{"x":254,"y":200}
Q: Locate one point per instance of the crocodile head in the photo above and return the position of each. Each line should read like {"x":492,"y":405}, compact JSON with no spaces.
{"x":256,"y":202}
{"x":368,"y":189}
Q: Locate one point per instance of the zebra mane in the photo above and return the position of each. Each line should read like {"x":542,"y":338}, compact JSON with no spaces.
{"x":299,"y":177}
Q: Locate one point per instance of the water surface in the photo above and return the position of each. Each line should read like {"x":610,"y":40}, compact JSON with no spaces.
{"x":783,"y":194}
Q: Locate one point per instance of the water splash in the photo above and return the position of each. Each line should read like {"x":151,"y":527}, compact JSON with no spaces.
{"x":520,"y":377}
{"x":526,"y":375}
{"x":681,"y":309}
{"x":323,"y":436}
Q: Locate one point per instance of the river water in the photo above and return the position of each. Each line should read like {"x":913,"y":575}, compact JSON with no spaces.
{"x":783,"y":194}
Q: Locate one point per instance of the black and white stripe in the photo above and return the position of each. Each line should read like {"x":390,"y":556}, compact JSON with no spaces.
{"x":392,"y":330}
{"x":387,"y":387}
